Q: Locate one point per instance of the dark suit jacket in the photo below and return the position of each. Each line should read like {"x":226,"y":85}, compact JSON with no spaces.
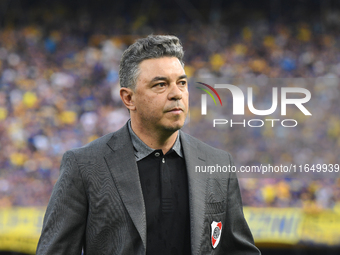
{"x":97,"y":203}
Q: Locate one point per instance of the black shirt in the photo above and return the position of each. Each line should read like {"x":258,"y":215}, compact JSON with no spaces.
{"x":165,"y":190}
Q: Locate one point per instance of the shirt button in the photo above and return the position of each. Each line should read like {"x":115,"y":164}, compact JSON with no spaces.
{"x":163,"y":160}
{"x":157,"y":154}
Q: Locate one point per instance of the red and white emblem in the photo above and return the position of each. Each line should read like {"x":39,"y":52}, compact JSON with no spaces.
{"x":216,"y":230}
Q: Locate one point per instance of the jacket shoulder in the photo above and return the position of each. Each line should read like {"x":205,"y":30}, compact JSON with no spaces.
{"x":105,"y":144}
{"x":96,"y":147}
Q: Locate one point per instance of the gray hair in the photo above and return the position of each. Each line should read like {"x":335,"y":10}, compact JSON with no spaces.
{"x":153,"y":46}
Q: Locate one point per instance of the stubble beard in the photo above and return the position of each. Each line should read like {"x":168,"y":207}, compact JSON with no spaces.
{"x":170,"y":127}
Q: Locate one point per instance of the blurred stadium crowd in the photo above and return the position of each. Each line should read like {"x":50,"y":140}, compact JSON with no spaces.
{"x":59,"y":89}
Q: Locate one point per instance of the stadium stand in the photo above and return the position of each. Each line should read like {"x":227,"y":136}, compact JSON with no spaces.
{"x":59,"y":89}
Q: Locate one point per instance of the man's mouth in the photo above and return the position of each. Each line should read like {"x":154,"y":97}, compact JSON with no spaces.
{"x":176,"y":110}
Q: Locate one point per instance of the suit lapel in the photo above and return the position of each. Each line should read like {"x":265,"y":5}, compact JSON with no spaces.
{"x":197,"y":189}
{"x":123,"y":167}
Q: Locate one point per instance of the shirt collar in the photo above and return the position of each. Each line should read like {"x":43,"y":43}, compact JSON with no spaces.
{"x":142,"y":150}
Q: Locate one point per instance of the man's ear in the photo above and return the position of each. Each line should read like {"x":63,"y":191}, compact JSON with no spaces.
{"x":127,"y":96}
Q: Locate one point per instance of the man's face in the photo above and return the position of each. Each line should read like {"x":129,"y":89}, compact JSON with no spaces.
{"x":161,"y":95}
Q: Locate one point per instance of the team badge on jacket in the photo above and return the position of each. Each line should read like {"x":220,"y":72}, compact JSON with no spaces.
{"x":216,"y":230}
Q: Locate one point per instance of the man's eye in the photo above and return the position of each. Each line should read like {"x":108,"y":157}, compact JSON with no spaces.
{"x":161,"y":85}
{"x":183,"y":83}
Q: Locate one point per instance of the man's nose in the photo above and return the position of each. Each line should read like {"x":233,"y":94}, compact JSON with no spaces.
{"x":175,"y":92}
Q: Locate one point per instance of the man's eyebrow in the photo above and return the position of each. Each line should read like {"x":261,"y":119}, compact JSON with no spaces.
{"x":162,"y":78}
{"x":159,"y":78}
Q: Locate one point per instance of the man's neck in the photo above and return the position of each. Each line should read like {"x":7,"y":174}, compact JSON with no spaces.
{"x":155,"y":140}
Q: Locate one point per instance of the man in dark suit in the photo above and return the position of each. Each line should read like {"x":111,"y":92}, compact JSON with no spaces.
{"x":136,"y":191}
